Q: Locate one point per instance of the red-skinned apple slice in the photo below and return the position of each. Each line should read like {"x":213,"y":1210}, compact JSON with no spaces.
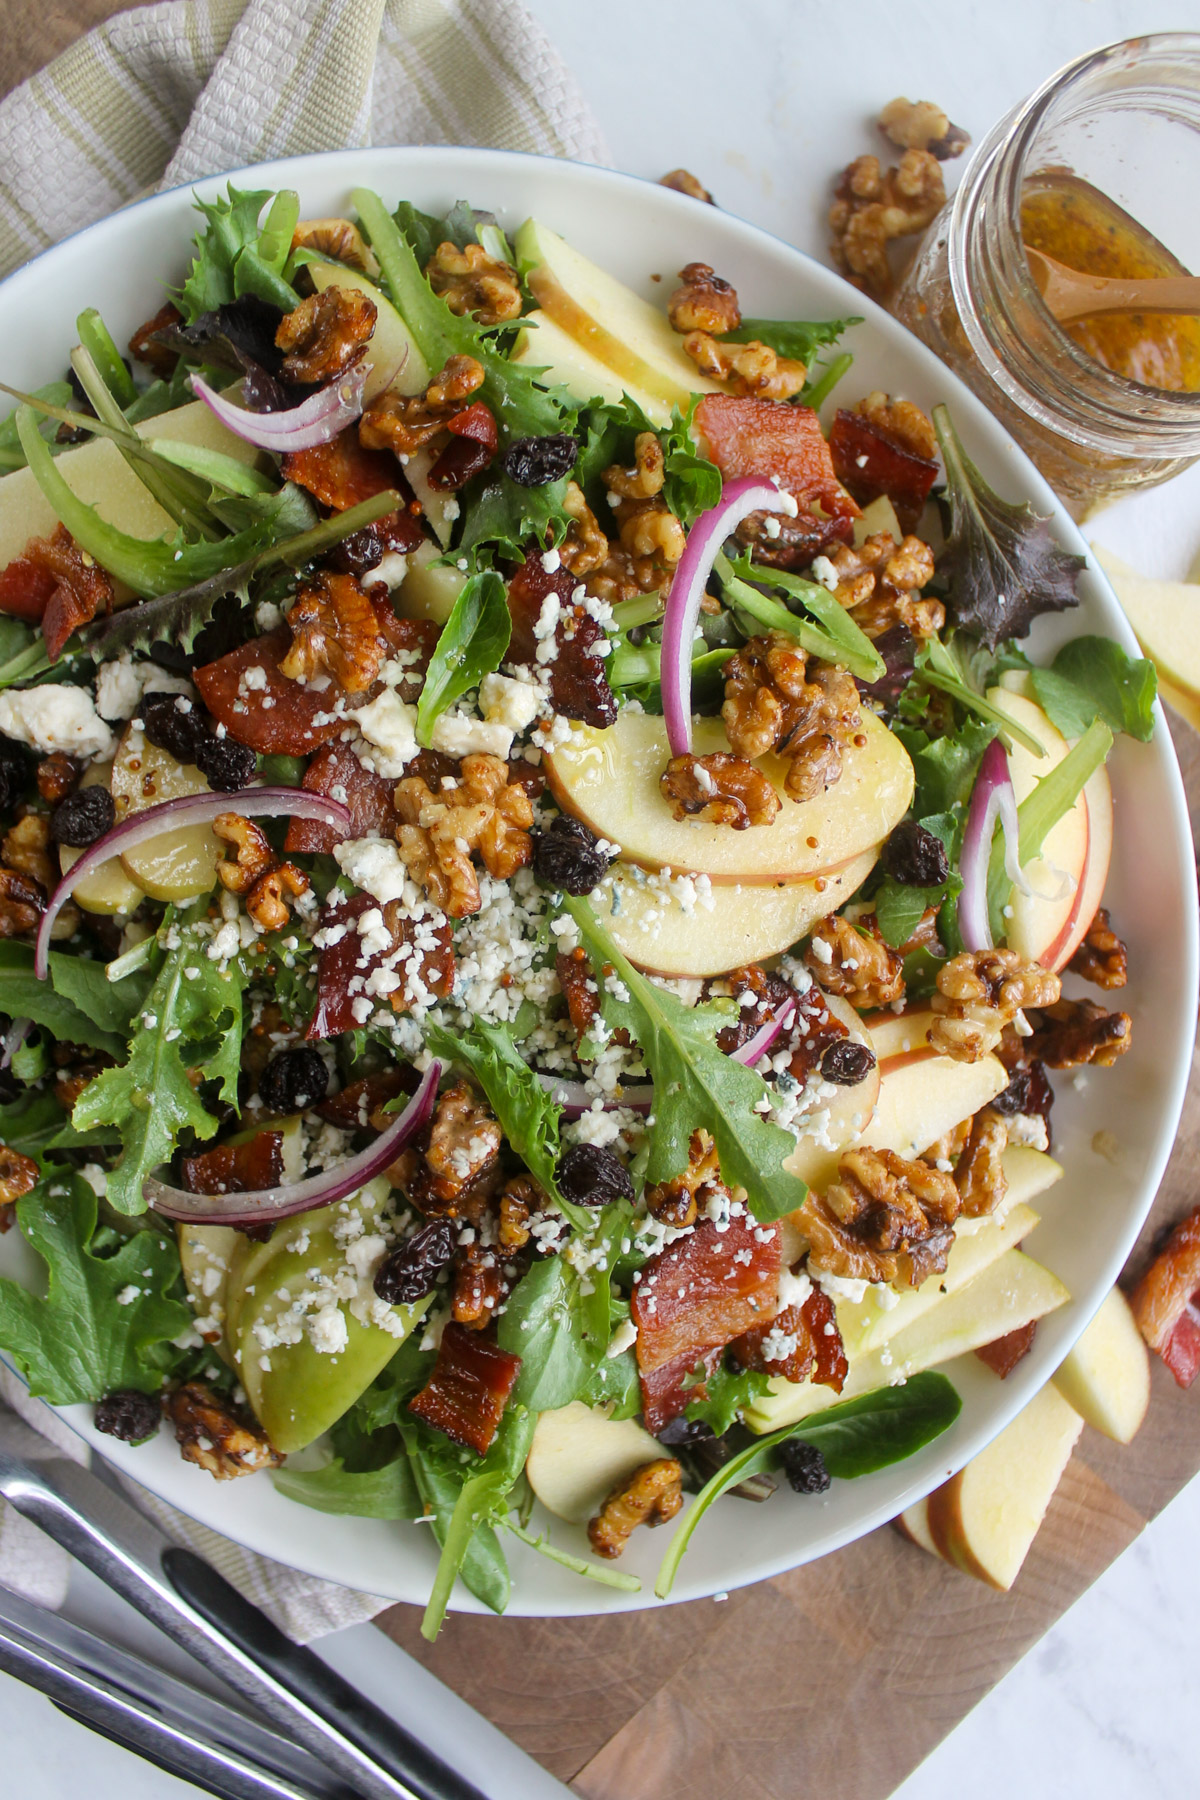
{"x":1097,"y":797}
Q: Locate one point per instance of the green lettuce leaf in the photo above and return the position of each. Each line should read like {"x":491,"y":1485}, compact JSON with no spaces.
{"x":797,"y":338}
{"x":389,"y":1492}
{"x":472,"y":645}
{"x":230,"y":257}
{"x":107,"y":1321}
{"x":1093,"y":678}
{"x":78,"y":1005}
{"x":727,"y":1393}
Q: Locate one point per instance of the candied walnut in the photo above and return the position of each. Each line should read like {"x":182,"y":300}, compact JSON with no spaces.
{"x":67,"y":587}
{"x":466,"y":1395}
{"x":484,"y":812}
{"x":214,"y":1436}
{"x":674,"y":1202}
{"x":56,"y":777}
{"x":472,"y":282}
{"x":903,"y":421}
{"x":453,"y":1166}
{"x":325,"y":334}
{"x":979,"y":993}
{"x":772,"y":704}
{"x":1164,"y":1301}
{"x":257,"y":873}
{"x":403,"y":422}
{"x":853,"y":960}
{"x":979,"y":1175}
{"x":334,"y":632}
{"x":18,"y":1175}
{"x":339,"y":239}
{"x":22,"y":903}
{"x":585,"y":546}
{"x":26,"y":849}
{"x":882,"y":1219}
{"x":871,"y":209}
{"x":480,"y":1286}
{"x":1069,"y":1033}
{"x":1102,"y":957}
{"x":144,"y":345}
{"x":645,"y":479}
{"x":720,"y":789}
{"x":520,"y":1199}
{"x":684,"y":182}
{"x":922,"y":125}
{"x":705,"y":302}
{"x":650,"y":538}
{"x":753,"y":369}
{"x":879,"y":584}
{"x":760,"y":994}
{"x":798,"y":1342}
{"x":268,"y":902}
{"x":651,"y":1495}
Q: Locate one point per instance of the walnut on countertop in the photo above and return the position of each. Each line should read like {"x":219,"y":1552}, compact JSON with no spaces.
{"x":334,"y":632}
{"x":325,"y":334}
{"x":483,"y":813}
{"x":720,"y":790}
{"x":650,"y":1496}
{"x":922,"y":125}
{"x":214,"y":1436}
{"x":852,"y":960}
{"x":1102,"y":957}
{"x":978,"y":994}
{"x":773,"y":703}
{"x":473,"y":283}
{"x":872,"y":209}
{"x":882,"y":1219}
{"x":403,"y":422}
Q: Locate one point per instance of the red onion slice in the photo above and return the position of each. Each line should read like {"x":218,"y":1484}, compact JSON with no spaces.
{"x":171,"y":815}
{"x":575,"y":1098}
{"x":765,"y":1036}
{"x":738,"y":499}
{"x":315,"y":421}
{"x":991,"y":797}
{"x":263,"y":1205}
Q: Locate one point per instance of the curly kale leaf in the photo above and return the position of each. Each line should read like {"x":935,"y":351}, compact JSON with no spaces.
{"x":1000,"y":564}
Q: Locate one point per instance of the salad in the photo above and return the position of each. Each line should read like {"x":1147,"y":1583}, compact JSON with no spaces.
{"x":535,"y":882}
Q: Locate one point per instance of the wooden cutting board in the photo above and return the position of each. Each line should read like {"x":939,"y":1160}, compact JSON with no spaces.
{"x":751,"y":1698}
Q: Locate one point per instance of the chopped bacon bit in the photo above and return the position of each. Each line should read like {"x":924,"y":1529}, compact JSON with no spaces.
{"x":236,"y":1168}
{"x":1004,"y":1353}
{"x":335,"y":770}
{"x":358,"y":1107}
{"x":344,"y":967}
{"x":341,"y":474}
{"x":1166,"y":1301}
{"x":25,"y":589}
{"x":477,"y":422}
{"x":56,"y":582}
{"x":820,"y":1316}
{"x":871,"y":462}
{"x":775,"y":443}
{"x":466,"y":1395}
{"x":470,"y":450}
{"x":695,"y":1297}
{"x":143,"y":347}
{"x":578,"y":685}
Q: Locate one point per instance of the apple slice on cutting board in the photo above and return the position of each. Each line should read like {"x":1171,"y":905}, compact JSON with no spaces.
{"x":1106,"y":1377}
{"x":610,"y":780}
{"x":578,"y":1456}
{"x":985,"y":1518}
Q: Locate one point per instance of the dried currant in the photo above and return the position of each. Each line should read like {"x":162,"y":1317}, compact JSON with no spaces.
{"x":226,"y":765}
{"x":847,"y":1062}
{"x":15,"y":770}
{"x":129,"y":1415}
{"x":83,"y":817}
{"x":592,"y":1176}
{"x":567,"y":856}
{"x":537,"y":461}
{"x":682,"y":1430}
{"x":804,"y":1467}
{"x":411,"y":1271}
{"x":293,"y":1080}
{"x":915,"y":856}
{"x":177,"y":729}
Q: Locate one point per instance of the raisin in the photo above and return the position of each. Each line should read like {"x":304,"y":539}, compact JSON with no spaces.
{"x":128,"y":1415}
{"x":411,"y":1271}
{"x":847,"y":1062}
{"x":171,"y":727}
{"x":83,"y":817}
{"x":537,"y":461}
{"x":568,"y":857}
{"x":591,"y":1176}
{"x":225,"y":764}
{"x":804,"y":1467}
{"x":1028,"y":1092}
{"x":916,"y":857}
{"x":15,"y":770}
{"x":294,"y":1080}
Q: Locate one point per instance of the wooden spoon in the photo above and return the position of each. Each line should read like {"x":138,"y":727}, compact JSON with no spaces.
{"x":1069,"y":294}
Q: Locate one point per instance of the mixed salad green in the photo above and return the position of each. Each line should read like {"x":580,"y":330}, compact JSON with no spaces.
{"x":496,"y":820}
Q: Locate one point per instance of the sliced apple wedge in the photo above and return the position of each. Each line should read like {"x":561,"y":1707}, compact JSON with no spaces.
{"x":430,"y":587}
{"x":1106,"y":1377}
{"x":565,"y":362}
{"x":923,"y":1095}
{"x":391,"y":353}
{"x":616,"y":326}
{"x":1038,"y":918}
{"x":1007,"y":1294}
{"x":610,"y":780}
{"x":578,"y":1456}
{"x":1166,"y":622}
{"x":178,"y":864}
{"x":661,"y":927}
{"x":1097,"y":798}
{"x":985,"y":1518}
{"x":107,"y":889}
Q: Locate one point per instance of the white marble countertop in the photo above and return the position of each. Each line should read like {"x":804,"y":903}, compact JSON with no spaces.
{"x":764,"y":102}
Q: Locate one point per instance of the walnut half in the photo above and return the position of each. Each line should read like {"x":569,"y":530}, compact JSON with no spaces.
{"x":720,"y":790}
{"x":651,"y":1495}
{"x":773,"y":703}
{"x":211,"y":1434}
{"x":482,"y":813}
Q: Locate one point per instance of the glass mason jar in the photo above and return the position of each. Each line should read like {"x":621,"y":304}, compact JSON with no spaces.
{"x":1122,"y":123}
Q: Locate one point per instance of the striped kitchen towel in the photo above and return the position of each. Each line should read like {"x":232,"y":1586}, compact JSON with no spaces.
{"x":162,"y":95}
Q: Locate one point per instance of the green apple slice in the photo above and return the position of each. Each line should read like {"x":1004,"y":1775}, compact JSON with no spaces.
{"x":176,"y":865}
{"x":564,"y":362}
{"x":430,"y":587}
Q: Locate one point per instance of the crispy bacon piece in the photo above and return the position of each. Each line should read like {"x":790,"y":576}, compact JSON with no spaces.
{"x":57,"y":583}
{"x":466,"y":1395}
{"x":342,"y":474}
{"x":818,"y":1350}
{"x":578,"y":685}
{"x":25,"y":589}
{"x":357,"y":1107}
{"x":471,"y":449}
{"x":236,"y":1168}
{"x":344,"y":966}
{"x":1166,"y":1301}
{"x":869,"y":461}
{"x":773,"y":442}
{"x":336,"y":770}
{"x":142,"y":344}
{"x":695,"y":1297}
{"x":1004,"y":1353}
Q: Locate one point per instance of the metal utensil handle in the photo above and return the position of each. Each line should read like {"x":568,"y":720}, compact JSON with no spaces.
{"x":196,"y":1607}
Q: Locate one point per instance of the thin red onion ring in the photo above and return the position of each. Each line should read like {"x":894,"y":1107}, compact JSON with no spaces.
{"x":575,"y":1100}
{"x":765,"y":1036}
{"x":263,"y":1204}
{"x":315,"y":421}
{"x":738,"y":499}
{"x":992,"y":797}
{"x":170,"y":815}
